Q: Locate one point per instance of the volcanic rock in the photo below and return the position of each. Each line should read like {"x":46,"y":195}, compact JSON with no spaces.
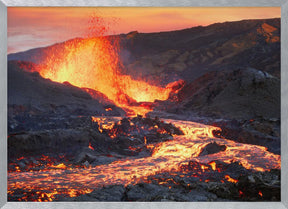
{"x":45,"y":141}
{"x":264,"y":132}
{"x":199,"y":195}
{"x":261,"y":185}
{"x":57,"y":141}
{"x":146,"y":192}
{"x":238,"y":94}
{"x":100,"y":160}
{"x":108,"y":194}
{"x":31,"y":94}
{"x":86,"y":155}
{"x":212,"y":148}
{"x":139,"y":130}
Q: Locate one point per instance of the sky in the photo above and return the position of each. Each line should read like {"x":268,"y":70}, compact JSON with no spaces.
{"x":31,"y":27}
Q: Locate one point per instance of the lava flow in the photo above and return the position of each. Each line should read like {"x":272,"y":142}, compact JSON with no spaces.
{"x":167,"y":156}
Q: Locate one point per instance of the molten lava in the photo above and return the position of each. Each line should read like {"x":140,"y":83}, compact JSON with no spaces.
{"x":94,"y":63}
{"x":168,"y":156}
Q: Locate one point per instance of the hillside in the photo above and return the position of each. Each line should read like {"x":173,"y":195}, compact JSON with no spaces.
{"x":189,"y":53}
{"x":30,"y":95}
{"x":217,"y":58}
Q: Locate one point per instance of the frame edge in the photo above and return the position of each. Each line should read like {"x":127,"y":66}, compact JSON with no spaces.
{"x":3,"y":81}
{"x":284,"y":104}
{"x":3,"y":96}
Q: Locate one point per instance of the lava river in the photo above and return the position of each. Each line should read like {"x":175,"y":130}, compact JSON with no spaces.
{"x":166,"y":156}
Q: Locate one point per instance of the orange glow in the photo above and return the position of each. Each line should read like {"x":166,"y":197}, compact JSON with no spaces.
{"x":203,"y":167}
{"x":228,"y":178}
{"x":61,"y":166}
{"x":260,"y":193}
{"x":240,"y":193}
{"x":93,"y":63}
{"x":90,"y":147}
{"x":166,"y":156}
{"x":213,"y":165}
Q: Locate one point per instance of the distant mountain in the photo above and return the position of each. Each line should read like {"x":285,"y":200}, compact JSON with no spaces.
{"x":189,"y":53}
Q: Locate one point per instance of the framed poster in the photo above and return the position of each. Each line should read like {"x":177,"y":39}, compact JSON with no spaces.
{"x":155,"y":103}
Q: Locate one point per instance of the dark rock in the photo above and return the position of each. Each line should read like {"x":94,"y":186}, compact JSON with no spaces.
{"x":260,"y":186}
{"x":264,"y":132}
{"x":146,"y":192}
{"x":21,"y":165}
{"x":242,"y":93}
{"x":45,"y":141}
{"x":86,"y":155}
{"x":42,"y":96}
{"x":100,"y":160}
{"x":68,"y":141}
{"x":225,"y":191}
{"x":196,"y":196}
{"x":212,"y":148}
{"x":108,"y":193}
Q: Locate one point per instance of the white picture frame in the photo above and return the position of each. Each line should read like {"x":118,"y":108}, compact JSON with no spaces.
{"x":144,"y":3}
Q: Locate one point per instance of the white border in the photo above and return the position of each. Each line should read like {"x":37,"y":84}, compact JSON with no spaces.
{"x":133,"y":3}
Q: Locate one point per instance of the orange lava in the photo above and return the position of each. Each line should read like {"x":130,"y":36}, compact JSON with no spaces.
{"x":90,"y":146}
{"x":260,"y":193}
{"x":167,"y":156}
{"x":228,"y":178}
{"x":213,"y":165}
{"x":61,"y":166}
{"x":94,"y":63}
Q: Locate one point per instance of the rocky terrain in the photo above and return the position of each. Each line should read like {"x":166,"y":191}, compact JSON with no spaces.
{"x":236,"y":94}
{"x":182,"y":187}
{"x":30,"y":93}
{"x":133,"y":146}
{"x":228,"y":76}
{"x":190,"y":53}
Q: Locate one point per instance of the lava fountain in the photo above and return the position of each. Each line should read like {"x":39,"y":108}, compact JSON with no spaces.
{"x":94,"y":63}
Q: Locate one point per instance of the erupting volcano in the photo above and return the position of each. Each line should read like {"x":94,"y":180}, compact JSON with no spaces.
{"x":183,"y":119}
{"x":94,"y":63}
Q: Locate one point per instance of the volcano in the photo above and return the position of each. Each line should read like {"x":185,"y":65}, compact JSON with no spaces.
{"x":188,"y":115}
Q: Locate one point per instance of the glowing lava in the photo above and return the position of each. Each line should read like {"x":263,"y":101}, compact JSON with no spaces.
{"x":94,"y":63}
{"x":167,"y":156}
